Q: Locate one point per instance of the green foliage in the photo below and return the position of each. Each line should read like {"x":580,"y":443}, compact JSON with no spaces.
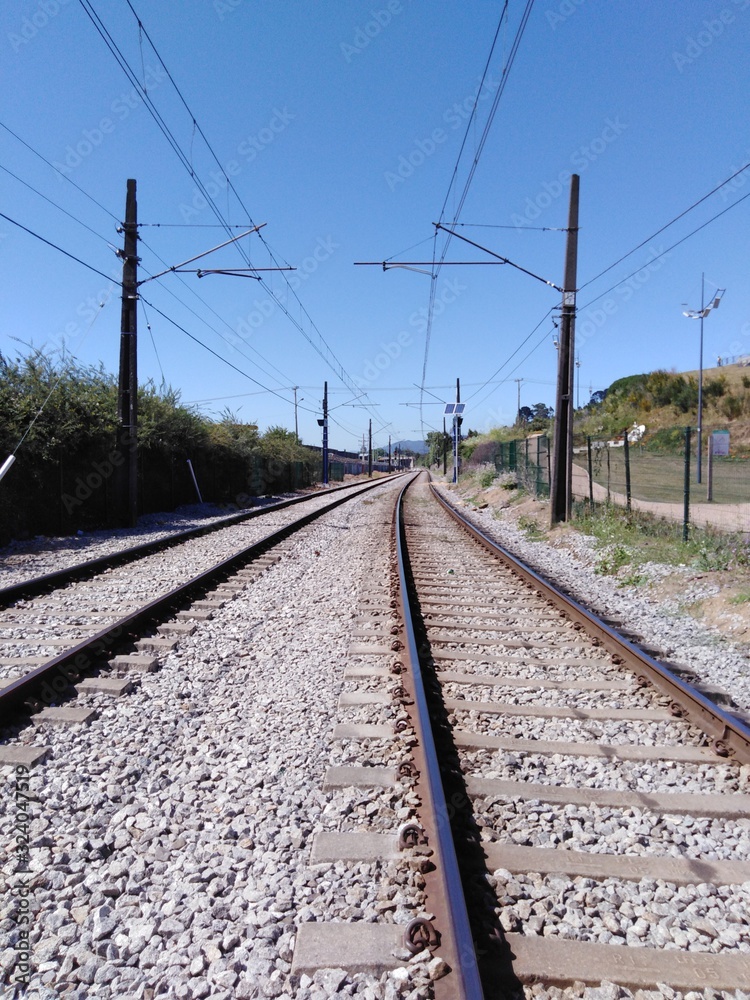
{"x":283,"y":445}
{"x":667,"y":439}
{"x":611,"y":559}
{"x":486,"y":479}
{"x":531,"y":528}
{"x":635,"y":537}
{"x":77,"y":404}
{"x":628,"y":386}
{"x":731,"y":407}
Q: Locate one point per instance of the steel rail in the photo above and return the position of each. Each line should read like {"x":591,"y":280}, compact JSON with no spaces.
{"x":730,"y":736}
{"x":40,"y":584}
{"x":447,"y":901}
{"x":70,"y":665}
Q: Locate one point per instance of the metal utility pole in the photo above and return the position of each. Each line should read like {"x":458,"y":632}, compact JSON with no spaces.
{"x":369,"y":451}
{"x":296,"y":428}
{"x":701,"y":314}
{"x":325,"y":433}
{"x":562,"y":455}
{"x":389,"y":453}
{"x":445,"y":449}
{"x":127,"y":398}
{"x":456,"y":425}
{"x":324,"y":424}
{"x":518,"y":382}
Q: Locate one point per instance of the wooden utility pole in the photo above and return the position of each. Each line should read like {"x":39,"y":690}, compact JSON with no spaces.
{"x":127,"y":400}
{"x":562,"y":454}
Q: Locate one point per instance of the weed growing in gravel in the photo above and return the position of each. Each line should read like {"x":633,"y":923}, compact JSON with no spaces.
{"x":740,"y":598}
{"x":611,"y":559}
{"x":531,"y":528}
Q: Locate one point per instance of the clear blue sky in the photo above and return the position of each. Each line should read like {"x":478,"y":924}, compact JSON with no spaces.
{"x":340,"y":124}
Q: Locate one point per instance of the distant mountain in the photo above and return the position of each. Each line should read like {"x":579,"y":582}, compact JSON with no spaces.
{"x":416,"y":446}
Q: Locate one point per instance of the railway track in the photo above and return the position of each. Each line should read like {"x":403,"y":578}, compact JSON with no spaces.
{"x":58,"y":629}
{"x":600,"y":803}
{"x":497,"y":805}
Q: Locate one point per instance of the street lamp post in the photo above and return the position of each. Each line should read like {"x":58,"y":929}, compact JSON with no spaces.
{"x":701,"y":315}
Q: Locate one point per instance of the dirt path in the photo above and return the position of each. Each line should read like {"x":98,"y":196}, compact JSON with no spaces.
{"x":726,"y":517}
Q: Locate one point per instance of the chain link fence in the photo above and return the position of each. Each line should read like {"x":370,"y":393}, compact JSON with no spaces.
{"x":528,"y":458}
{"x":664,"y":480}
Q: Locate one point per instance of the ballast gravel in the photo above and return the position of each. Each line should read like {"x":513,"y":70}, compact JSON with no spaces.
{"x":171,"y":837}
{"x":715,"y":659}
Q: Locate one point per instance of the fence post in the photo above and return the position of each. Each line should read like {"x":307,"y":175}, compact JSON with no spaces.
{"x":686,"y":513}
{"x":591,"y":472}
{"x":538,"y":466}
{"x":710,"y":490}
{"x":626,"y":449}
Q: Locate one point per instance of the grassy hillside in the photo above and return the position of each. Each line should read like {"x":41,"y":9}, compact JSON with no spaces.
{"x":665,"y":402}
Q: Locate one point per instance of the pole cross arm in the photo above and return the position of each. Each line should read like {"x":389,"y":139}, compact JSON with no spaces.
{"x":205,"y":253}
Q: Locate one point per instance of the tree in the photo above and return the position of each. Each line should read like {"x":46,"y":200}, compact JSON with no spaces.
{"x":541,"y":416}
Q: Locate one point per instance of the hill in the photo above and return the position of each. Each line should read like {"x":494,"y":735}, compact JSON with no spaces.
{"x":666,"y":402}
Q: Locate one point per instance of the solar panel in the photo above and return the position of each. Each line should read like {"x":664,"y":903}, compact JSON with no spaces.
{"x":449,"y":409}
{"x":460,"y":407}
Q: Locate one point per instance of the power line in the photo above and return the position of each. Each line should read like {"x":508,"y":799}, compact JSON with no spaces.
{"x":187,"y":163}
{"x":60,"y":172}
{"x":217,"y":355}
{"x":664,"y":252}
{"x":56,"y":247}
{"x":55,"y":205}
{"x":475,"y":162}
{"x":667,"y":225}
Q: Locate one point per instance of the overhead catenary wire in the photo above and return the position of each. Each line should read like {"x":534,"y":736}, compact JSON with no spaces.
{"x":663,"y":252}
{"x":59,"y":172}
{"x":475,"y":161}
{"x":327,"y":355}
{"x":224,"y":360}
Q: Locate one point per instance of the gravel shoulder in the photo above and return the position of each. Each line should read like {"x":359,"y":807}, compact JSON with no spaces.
{"x":171,"y":838}
{"x":658,"y":607}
